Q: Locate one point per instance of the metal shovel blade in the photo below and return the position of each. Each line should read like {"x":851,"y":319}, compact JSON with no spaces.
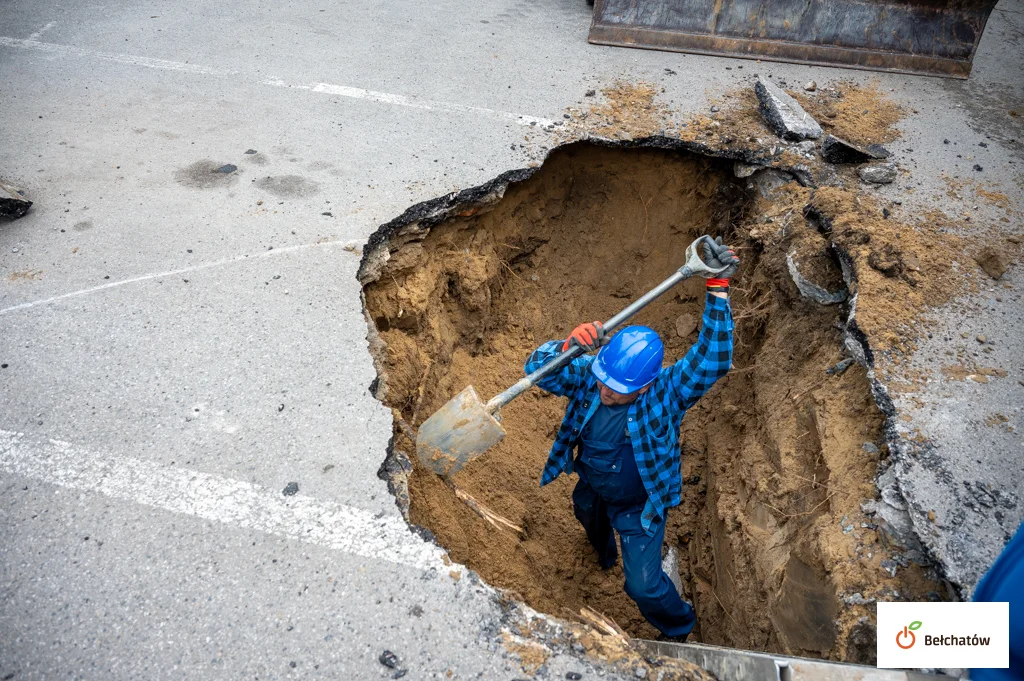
{"x":456,"y":433}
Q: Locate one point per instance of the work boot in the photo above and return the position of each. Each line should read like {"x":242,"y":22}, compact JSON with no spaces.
{"x":672,"y":639}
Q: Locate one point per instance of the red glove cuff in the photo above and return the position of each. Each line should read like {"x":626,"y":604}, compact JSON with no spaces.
{"x":717,"y":282}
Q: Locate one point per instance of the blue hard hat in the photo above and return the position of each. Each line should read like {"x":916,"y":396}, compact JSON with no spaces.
{"x":631,"y":360}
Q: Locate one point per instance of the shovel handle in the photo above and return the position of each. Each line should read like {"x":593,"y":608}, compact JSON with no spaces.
{"x":694,"y":265}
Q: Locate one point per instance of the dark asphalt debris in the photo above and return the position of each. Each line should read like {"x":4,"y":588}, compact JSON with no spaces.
{"x":388,"y":659}
{"x":573,"y":676}
{"x":878,"y":150}
{"x":250,"y":151}
{"x":226,"y":168}
{"x":291,"y":490}
{"x":837,"y":150}
{"x":840,"y":368}
{"x":13,"y":203}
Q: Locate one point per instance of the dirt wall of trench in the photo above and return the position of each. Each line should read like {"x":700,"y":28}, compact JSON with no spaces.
{"x":777,"y":457}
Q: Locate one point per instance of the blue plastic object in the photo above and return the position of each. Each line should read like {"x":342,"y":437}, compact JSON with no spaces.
{"x":1004,"y":581}
{"x":631,"y":360}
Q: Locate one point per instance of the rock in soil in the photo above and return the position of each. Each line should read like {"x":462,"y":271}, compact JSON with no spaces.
{"x":740,"y":169}
{"x":13,"y":203}
{"x":685,"y":325}
{"x":783,"y":114}
{"x":837,"y":150}
{"x":291,"y":489}
{"x":886,"y":260}
{"x":878,"y":173}
{"x":840,"y":367}
{"x":670,"y":566}
{"x":993,"y":260}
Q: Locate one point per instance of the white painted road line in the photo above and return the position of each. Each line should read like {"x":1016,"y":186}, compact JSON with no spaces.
{"x":212,"y":497}
{"x":132,"y":60}
{"x":325,"y":88}
{"x":39,"y":34}
{"x":429,"y":105}
{"x":168,"y":273}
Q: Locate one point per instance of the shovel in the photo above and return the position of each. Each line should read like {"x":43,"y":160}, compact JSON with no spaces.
{"x":467,"y":427}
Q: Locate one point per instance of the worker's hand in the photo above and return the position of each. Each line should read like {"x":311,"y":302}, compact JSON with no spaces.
{"x":587,"y":336}
{"x":716,"y":254}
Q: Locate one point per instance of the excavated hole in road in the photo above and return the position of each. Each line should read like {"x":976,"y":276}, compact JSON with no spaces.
{"x":774,"y":463}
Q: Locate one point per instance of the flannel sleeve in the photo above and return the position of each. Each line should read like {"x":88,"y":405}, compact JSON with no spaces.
{"x":709,"y":359}
{"x":564,"y":381}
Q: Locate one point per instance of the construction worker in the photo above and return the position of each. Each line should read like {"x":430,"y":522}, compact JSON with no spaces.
{"x":623,"y":421}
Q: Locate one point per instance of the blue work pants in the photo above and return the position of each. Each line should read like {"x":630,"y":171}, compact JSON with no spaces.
{"x":646,"y":583}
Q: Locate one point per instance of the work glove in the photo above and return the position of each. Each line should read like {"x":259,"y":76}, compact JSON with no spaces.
{"x":587,"y":336}
{"x":716,"y":254}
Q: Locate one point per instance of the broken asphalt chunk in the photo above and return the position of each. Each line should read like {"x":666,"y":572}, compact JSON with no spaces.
{"x":291,"y":489}
{"x":226,"y":168}
{"x":878,"y":150}
{"x":837,"y":150}
{"x":878,"y":173}
{"x":783,"y":114}
{"x":13,"y":203}
{"x":388,"y":659}
{"x":808,"y":289}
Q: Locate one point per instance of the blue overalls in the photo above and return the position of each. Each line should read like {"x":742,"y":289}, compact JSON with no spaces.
{"x":610,"y":495}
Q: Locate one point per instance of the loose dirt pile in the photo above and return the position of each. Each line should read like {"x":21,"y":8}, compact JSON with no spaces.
{"x":777,"y":458}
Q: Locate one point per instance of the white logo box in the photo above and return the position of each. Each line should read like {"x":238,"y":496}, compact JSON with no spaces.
{"x":956,"y":633}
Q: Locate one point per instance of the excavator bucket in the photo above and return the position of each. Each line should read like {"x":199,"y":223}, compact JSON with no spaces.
{"x":926,"y":37}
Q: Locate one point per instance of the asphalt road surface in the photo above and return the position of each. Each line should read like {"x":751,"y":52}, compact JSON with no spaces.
{"x":178,"y":346}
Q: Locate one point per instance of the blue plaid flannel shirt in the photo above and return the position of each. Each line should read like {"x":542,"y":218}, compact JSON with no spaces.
{"x":654,"y":418}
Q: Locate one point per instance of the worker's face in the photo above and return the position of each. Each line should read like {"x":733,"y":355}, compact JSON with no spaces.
{"x":610,"y":398}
